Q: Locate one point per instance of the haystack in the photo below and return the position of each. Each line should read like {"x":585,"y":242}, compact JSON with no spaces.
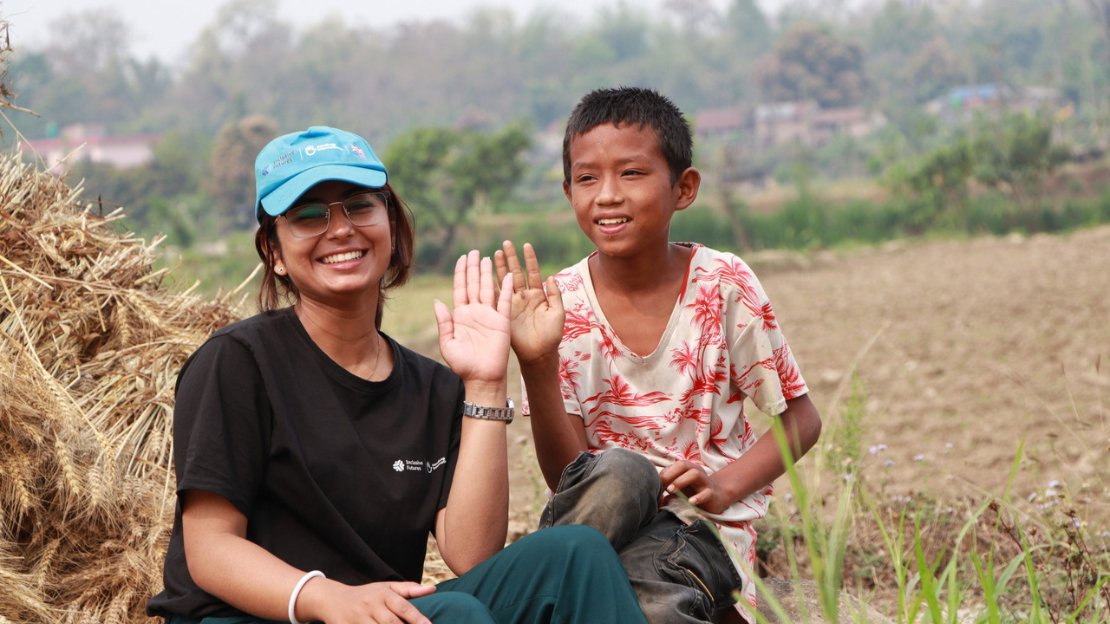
{"x":90,"y":345}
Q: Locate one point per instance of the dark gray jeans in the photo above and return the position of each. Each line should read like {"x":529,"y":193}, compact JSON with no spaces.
{"x":681,"y":573}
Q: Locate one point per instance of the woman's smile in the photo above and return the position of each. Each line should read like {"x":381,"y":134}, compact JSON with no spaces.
{"x":346,"y":256}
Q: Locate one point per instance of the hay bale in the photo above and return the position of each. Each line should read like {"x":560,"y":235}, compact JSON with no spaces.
{"x":90,"y":345}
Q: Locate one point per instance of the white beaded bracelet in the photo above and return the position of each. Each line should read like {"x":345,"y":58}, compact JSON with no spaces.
{"x":297,"y":590}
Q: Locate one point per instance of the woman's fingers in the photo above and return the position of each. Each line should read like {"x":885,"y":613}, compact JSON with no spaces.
{"x":444,"y":321}
{"x":458,"y":291}
{"x":473,"y":277}
{"x":487,"y":296}
{"x":411,"y":590}
{"x":505,"y":300}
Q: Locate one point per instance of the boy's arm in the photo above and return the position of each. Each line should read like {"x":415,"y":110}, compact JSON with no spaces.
{"x":559,"y":437}
{"x":759,"y":466}
{"x":536,"y":328}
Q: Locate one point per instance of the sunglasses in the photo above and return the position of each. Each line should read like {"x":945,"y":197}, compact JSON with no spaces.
{"x":364,"y":209}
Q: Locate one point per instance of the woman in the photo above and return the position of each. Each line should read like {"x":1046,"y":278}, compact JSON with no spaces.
{"x":314,"y":454}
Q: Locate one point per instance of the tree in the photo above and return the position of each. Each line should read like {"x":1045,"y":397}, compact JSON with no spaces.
{"x":932,"y":70}
{"x":230,"y":181}
{"x":937,"y":184}
{"x":812,"y":63}
{"x":1015,"y":154}
{"x":448,"y":174}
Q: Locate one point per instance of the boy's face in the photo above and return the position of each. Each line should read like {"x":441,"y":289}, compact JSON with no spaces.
{"x":620,"y":189}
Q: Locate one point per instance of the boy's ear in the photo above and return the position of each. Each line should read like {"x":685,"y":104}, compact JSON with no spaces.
{"x":686,"y":188}
{"x":566,"y":189}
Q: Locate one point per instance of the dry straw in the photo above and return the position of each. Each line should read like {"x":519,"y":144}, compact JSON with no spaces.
{"x":90,"y":346}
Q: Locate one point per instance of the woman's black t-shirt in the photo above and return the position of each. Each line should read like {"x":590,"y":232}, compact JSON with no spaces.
{"x":334,"y":472}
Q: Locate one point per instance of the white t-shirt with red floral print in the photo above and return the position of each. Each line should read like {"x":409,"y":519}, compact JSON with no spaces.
{"x":685,"y":400}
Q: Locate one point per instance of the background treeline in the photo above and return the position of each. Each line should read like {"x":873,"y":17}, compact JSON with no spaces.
{"x":468,"y":114}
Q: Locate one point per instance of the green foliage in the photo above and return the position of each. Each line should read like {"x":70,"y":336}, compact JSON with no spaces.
{"x":161,"y":196}
{"x":937,"y":182}
{"x":1016,"y":154}
{"x":1013,"y":154}
{"x":445,"y":175}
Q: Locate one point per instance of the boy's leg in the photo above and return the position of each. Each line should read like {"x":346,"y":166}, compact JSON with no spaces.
{"x":562,"y":575}
{"x":681,"y":573}
{"x":616,"y":492}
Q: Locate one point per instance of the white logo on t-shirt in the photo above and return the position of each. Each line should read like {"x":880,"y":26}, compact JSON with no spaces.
{"x":418,"y":465}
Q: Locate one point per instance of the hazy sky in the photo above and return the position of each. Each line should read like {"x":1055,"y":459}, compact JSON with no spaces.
{"x":165,"y":27}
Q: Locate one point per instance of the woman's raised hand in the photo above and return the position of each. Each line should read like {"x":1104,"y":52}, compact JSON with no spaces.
{"x":474,"y":337}
{"x":537,"y":310}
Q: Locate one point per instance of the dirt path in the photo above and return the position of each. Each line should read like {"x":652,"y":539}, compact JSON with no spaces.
{"x":965,"y":349}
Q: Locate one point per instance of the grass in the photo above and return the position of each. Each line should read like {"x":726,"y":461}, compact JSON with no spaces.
{"x":992,"y":560}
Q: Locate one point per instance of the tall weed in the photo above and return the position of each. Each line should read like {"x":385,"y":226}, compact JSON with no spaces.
{"x":992,"y":559}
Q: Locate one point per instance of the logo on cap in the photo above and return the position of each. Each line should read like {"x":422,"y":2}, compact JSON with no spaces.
{"x":312,"y":149}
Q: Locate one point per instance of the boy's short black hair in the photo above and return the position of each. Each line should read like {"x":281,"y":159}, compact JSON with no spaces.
{"x":634,"y":106}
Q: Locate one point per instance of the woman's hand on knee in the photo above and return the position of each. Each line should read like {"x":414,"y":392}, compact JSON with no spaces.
{"x":375,"y":603}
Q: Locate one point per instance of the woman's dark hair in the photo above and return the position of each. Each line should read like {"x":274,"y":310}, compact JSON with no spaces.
{"x":634,"y":106}
{"x":278,"y":290}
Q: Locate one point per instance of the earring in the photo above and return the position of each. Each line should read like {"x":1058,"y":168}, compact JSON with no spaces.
{"x":280,"y":270}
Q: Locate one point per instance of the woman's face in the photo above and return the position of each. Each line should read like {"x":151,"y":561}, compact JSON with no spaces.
{"x":344,"y":263}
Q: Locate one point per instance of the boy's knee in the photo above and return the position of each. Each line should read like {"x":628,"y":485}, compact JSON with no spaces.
{"x":626,"y":469}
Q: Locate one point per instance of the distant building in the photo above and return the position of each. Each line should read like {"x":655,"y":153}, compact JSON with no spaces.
{"x":780,"y":123}
{"x":91,"y":142}
{"x":784,"y":122}
{"x":721,"y":123}
{"x":853,"y":121}
{"x":960,"y":103}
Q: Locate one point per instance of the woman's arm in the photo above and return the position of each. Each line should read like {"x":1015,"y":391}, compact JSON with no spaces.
{"x":474,"y":341}
{"x":225,"y":564}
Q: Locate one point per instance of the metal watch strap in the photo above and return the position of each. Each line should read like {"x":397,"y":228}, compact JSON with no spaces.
{"x":504,"y":414}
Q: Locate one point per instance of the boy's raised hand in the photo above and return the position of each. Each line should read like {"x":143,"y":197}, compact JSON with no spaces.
{"x":536,"y":320}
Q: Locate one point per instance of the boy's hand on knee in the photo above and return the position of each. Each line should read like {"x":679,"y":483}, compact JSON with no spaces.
{"x":536,"y":320}
{"x":700,"y":488}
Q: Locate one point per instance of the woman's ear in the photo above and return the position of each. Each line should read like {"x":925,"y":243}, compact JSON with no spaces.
{"x":273,"y":251}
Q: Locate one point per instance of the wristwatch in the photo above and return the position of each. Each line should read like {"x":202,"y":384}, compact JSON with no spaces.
{"x":504,"y":414}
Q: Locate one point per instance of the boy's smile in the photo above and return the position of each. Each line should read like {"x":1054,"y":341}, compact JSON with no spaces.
{"x":620,"y":189}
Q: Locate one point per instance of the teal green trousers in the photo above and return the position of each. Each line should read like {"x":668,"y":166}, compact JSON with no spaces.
{"x":561,"y":575}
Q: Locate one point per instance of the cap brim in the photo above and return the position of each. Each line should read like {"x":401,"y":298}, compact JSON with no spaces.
{"x":282,"y":198}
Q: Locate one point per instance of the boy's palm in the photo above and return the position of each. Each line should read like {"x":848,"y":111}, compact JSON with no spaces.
{"x":536,"y":320}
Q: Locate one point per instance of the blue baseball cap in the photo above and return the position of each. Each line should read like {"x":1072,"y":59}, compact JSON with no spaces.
{"x":291,"y":164}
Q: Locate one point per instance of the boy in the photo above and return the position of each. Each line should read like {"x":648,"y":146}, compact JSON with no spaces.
{"x":639,"y":396}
